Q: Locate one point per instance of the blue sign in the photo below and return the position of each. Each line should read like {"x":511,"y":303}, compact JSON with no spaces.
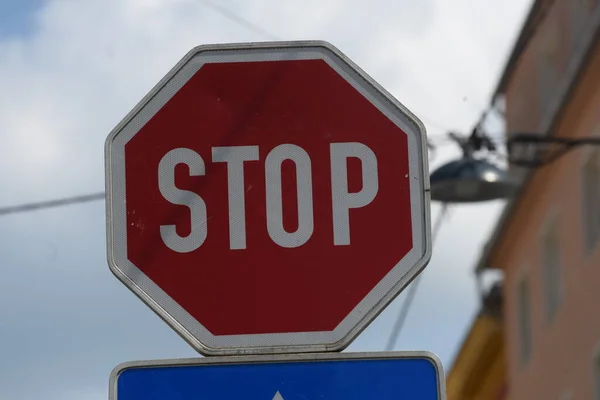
{"x":339,"y":376}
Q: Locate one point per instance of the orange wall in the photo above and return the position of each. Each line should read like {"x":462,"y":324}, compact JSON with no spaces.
{"x":562,"y":351}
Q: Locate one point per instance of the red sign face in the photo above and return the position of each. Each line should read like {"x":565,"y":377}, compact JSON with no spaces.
{"x":268,"y":199}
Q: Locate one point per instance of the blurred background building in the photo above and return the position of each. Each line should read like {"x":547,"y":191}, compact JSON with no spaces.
{"x":479,"y":370}
{"x":547,"y":241}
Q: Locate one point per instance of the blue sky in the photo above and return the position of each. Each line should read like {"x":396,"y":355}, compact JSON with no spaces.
{"x":17,"y":17}
{"x":72,"y":72}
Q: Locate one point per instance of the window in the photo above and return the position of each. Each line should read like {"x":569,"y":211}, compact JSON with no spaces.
{"x":566,"y":395}
{"x":524,"y":320}
{"x":551,"y":268}
{"x":548,"y":73}
{"x":597,"y":376}
{"x":580,"y":11}
{"x":548,"y":77}
{"x":591,"y":201}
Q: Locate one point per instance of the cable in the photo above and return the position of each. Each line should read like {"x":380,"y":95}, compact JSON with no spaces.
{"x":433,"y":124}
{"x":433,"y":144}
{"x":239,"y":19}
{"x":261,"y":31}
{"x":98,"y":196}
{"x":20,"y":208}
{"x":412,"y":290}
{"x":51,"y":203}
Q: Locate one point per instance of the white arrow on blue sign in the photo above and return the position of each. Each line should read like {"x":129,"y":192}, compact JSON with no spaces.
{"x":337,"y":376}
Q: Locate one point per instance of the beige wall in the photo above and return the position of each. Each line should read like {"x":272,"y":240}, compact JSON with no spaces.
{"x":561,"y":358}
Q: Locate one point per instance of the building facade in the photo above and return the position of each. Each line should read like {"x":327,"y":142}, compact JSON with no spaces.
{"x":547,"y":241}
{"x":479,"y":369}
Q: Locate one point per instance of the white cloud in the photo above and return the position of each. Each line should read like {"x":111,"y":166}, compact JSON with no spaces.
{"x":86,"y":64}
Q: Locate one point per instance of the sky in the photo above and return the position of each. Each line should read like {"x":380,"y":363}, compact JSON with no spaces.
{"x":70,"y":71}
{"x":16,"y":17}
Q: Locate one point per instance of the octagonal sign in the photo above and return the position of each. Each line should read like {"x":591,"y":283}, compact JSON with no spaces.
{"x":267,"y":198}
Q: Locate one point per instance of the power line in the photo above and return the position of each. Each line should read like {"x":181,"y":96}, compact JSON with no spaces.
{"x":224,"y":11}
{"x":66,"y":201}
{"x":412,"y":290}
{"x":433,"y":143}
{"x":99,"y":196}
{"x":51,"y":203}
{"x":239,"y":19}
{"x":433,"y":123}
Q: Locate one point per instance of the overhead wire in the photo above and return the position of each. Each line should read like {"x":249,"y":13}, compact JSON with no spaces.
{"x":66,"y":201}
{"x":225,"y":12}
{"x":54,"y":203}
{"x":412,"y":289}
{"x":433,"y":143}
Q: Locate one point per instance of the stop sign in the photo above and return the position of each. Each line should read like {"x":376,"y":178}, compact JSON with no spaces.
{"x":267,"y":198}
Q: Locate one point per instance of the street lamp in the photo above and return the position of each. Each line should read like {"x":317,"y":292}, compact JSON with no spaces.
{"x":469,"y":179}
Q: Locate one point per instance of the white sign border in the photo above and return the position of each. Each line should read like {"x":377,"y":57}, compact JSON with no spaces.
{"x":183,"y":323}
